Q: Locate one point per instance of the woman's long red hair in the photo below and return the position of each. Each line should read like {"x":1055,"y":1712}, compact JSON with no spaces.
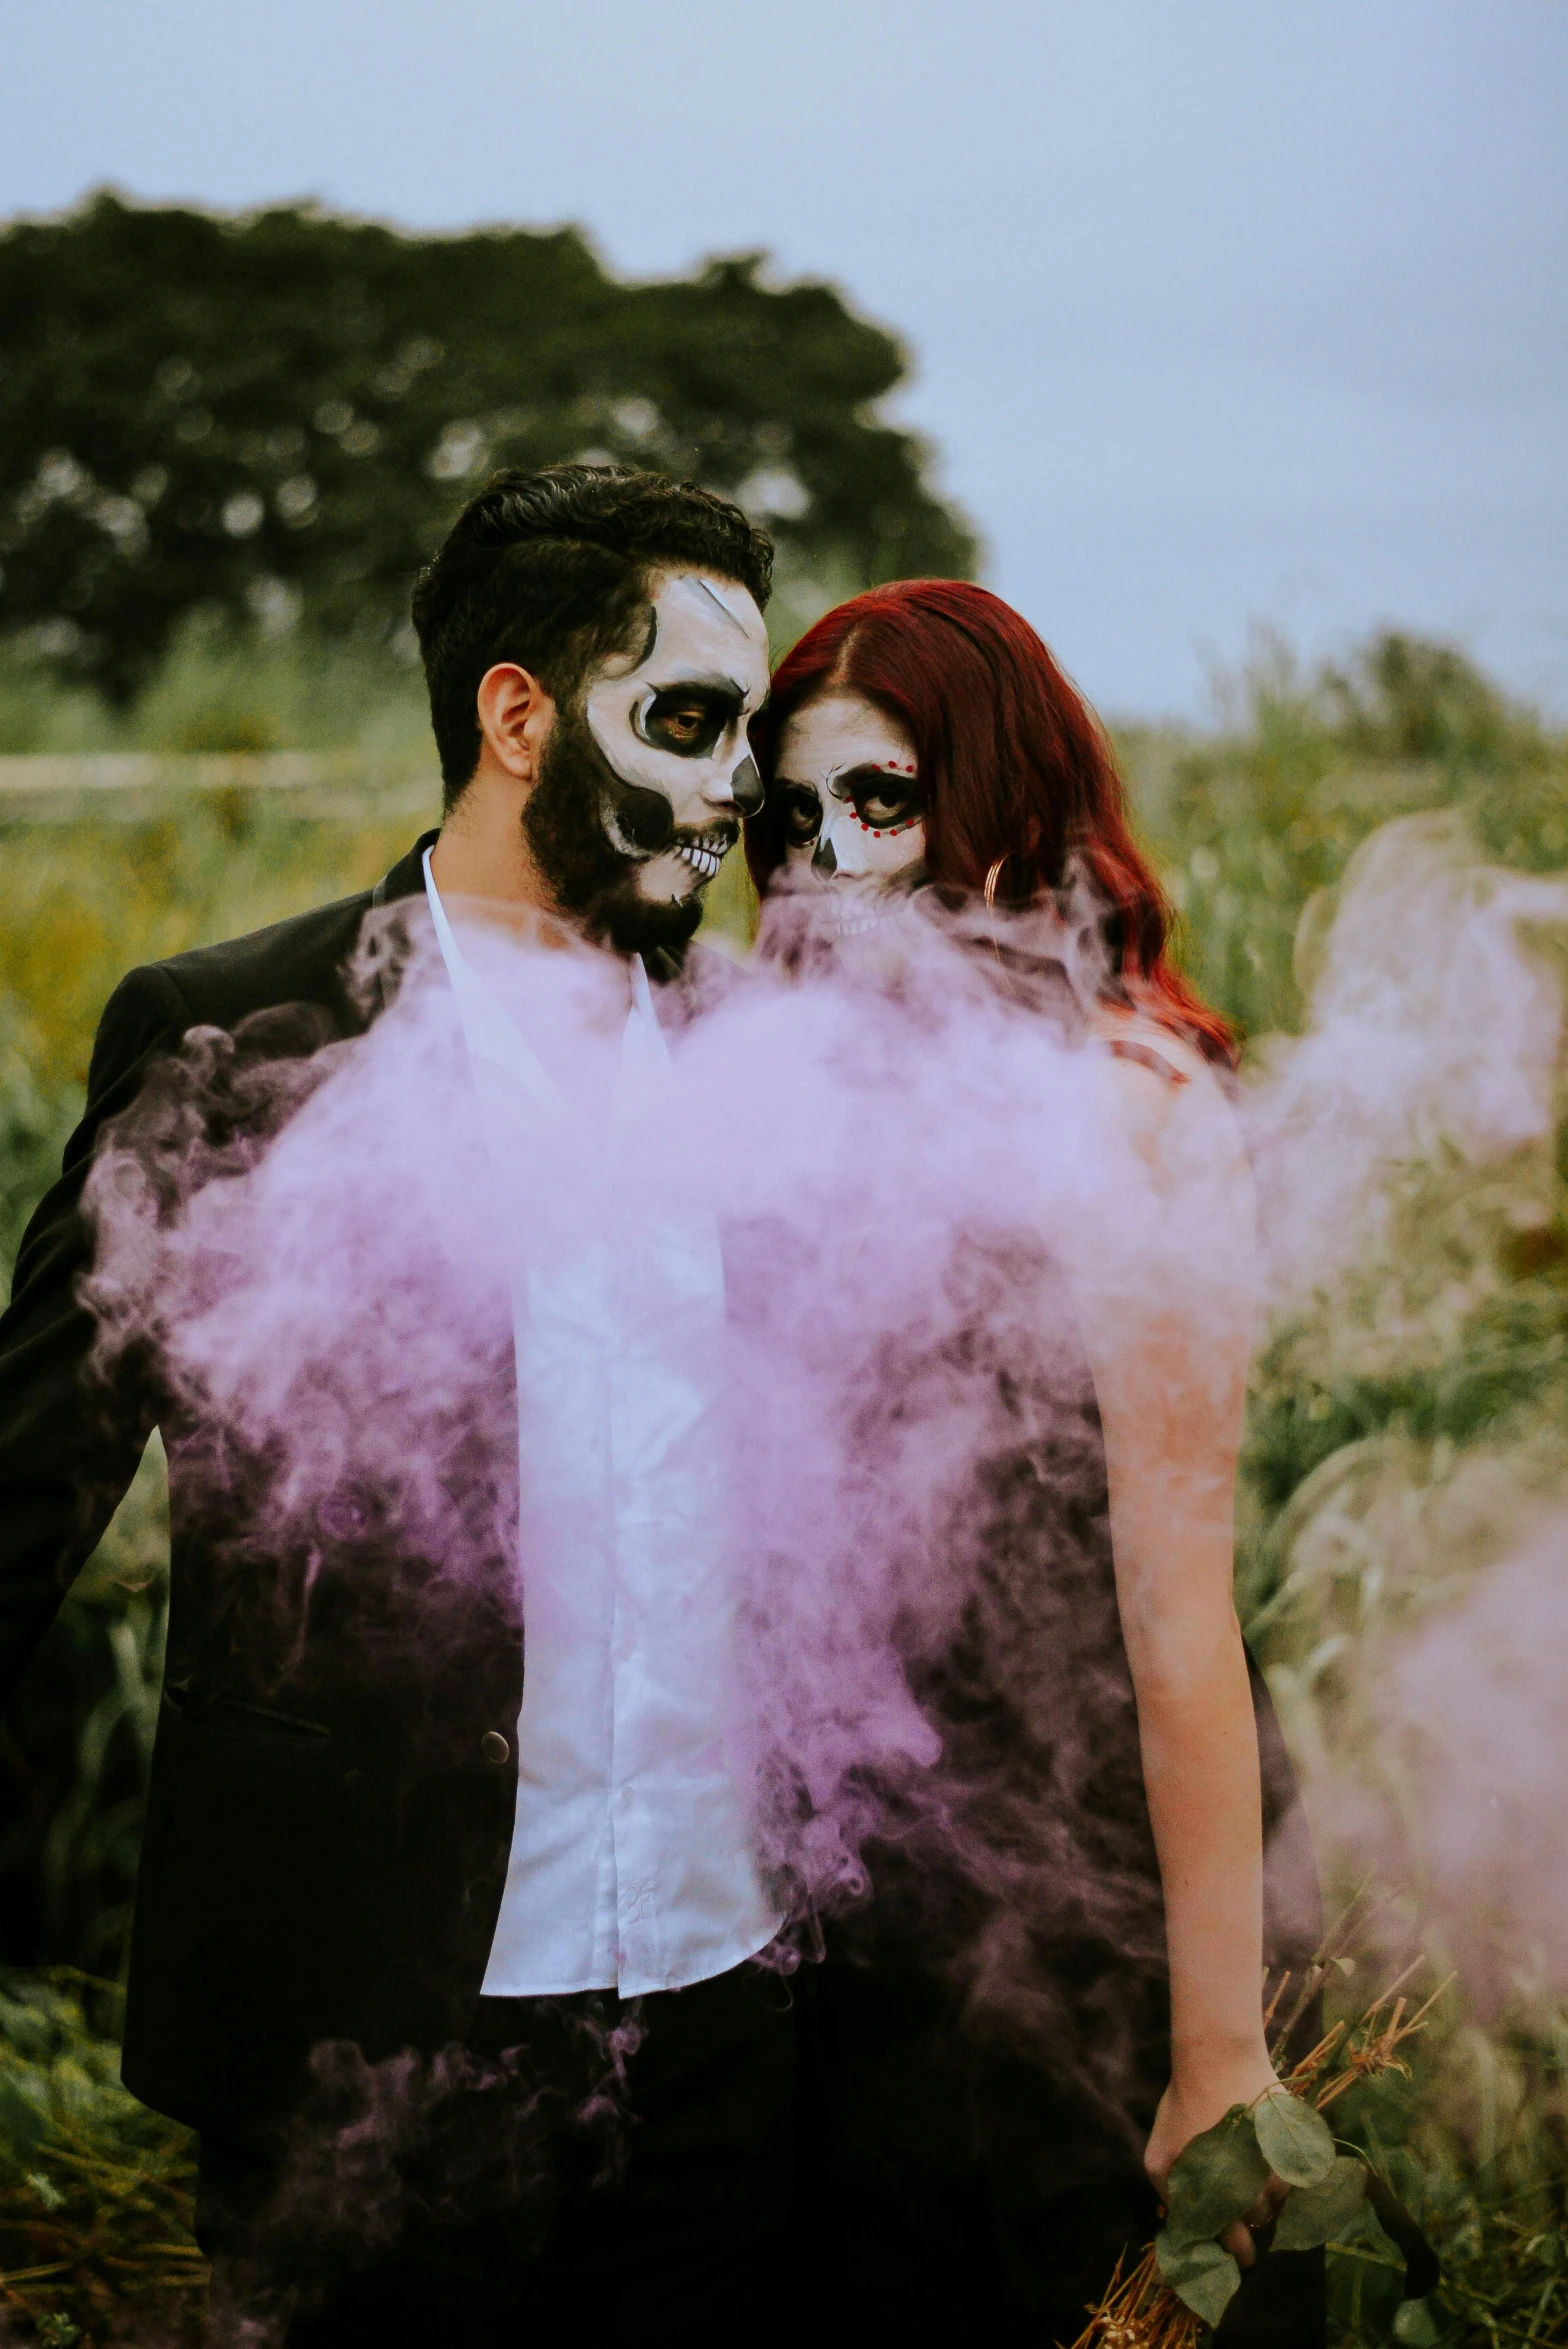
{"x":1015,"y":763}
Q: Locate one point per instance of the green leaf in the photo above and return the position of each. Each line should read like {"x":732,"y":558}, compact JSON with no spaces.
{"x":1218,"y":2177}
{"x":1296,"y":2142}
{"x":1200,"y":2274}
{"x":1318,"y":2214}
{"x":1415,"y":2325}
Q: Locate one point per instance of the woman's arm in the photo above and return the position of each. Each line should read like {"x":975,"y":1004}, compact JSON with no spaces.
{"x":1166,"y":1291}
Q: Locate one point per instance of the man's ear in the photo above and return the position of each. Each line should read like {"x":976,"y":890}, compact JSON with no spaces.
{"x":515,"y":717}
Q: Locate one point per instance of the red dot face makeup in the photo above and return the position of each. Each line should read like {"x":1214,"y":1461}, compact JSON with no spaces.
{"x":849,"y":793}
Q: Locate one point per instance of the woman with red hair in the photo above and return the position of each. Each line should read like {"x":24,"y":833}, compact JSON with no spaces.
{"x":921,"y":744}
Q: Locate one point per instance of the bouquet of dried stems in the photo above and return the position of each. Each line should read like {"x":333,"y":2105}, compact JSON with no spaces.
{"x":1184,"y":2281}
{"x":95,"y":2190}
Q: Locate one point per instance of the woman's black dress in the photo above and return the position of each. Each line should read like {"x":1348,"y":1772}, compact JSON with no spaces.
{"x":988,"y":2039}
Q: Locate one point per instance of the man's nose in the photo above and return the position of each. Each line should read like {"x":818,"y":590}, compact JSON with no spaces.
{"x":741,"y":790}
{"x":746,"y":788}
{"x":824,"y":860}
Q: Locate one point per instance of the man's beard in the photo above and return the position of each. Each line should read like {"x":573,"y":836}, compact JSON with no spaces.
{"x":589,"y":878}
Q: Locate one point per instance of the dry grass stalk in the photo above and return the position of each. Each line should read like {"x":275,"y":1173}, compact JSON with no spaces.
{"x":1139,"y":2310}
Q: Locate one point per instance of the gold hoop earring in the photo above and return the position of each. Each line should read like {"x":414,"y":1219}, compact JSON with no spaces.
{"x":991,"y":880}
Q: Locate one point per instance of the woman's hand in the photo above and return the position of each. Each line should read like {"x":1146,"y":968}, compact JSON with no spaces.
{"x":1195,"y":2101}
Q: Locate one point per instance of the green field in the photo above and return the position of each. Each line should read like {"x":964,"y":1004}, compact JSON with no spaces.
{"x":1433,"y":1376}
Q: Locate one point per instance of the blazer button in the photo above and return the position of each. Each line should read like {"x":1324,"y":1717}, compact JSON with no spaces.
{"x":494,"y":1747}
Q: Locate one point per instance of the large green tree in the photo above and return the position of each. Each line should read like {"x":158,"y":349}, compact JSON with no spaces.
{"x":278,"y":413}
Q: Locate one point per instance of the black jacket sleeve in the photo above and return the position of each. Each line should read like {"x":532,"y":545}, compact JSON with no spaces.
{"x":69,"y":1447}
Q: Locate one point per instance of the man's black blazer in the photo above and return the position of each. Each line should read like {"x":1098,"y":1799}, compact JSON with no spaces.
{"x":326,"y":1838}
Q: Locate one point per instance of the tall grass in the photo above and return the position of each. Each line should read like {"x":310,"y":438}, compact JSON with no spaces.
{"x":1410,"y":1419}
{"x":1397,"y":1425}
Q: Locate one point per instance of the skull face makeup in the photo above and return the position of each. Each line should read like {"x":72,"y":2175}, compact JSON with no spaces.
{"x":640,"y":795}
{"x":849,"y":792}
{"x":672,"y":728}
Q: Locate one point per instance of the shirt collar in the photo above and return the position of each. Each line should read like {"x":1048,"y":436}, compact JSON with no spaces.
{"x":495,"y":1035}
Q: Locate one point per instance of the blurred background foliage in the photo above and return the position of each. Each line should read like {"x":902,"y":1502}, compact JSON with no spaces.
{"x":274,"y":417}
{"x":1259,"y":819}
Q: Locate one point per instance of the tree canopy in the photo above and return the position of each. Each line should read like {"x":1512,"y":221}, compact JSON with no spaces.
{"x":277,"y":414}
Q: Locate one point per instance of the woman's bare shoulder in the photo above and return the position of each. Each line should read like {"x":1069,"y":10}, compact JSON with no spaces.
{"x":1174,"y":1106}
{"x":1155,"y":1070}
{"x":1139,"y":1041}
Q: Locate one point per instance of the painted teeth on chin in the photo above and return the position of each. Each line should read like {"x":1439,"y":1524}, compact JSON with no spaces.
{"x":701,"y":860}
{"x":856,"y":919}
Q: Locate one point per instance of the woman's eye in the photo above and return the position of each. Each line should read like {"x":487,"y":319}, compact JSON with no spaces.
{"x":882,"y":799}
{"x":887,"y":802}
{"x":800,"y":813}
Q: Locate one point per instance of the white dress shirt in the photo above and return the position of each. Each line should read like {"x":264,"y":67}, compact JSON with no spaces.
{"x":633,"y":1860}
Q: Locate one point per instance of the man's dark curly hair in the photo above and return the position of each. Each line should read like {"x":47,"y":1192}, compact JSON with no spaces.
{"x":550,"y":570}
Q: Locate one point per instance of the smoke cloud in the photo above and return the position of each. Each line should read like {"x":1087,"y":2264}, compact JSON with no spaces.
{"x":1431,"y":1030}
{"x":926,"y":1190}
{"x":902,"y":1149}
{"x":1405,"y":1151}
{"x":1474,"y":1742}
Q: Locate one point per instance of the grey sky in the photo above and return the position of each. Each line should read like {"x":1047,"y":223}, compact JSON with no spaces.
{"x":1222,"y":310}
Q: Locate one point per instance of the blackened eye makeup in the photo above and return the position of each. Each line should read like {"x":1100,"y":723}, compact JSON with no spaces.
{"x":688,"y":719}
{"x":883,"y":799}
{"x":800,"y":812}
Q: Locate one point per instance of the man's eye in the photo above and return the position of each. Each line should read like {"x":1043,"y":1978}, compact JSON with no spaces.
{"x":686,"y":724}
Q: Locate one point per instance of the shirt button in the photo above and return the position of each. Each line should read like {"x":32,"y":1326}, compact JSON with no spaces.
{"x":494,"y":1747}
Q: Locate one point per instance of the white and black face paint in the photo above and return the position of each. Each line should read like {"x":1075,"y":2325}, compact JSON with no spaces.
{"x":850,"y":797}
{"x":670,"y":722}
{"x":644,"y":781}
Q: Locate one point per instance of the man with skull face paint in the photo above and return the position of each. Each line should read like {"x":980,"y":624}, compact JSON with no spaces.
{"x":610,"y":781}
{"x":641,"y":788}
{"x":386,"y":1838}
